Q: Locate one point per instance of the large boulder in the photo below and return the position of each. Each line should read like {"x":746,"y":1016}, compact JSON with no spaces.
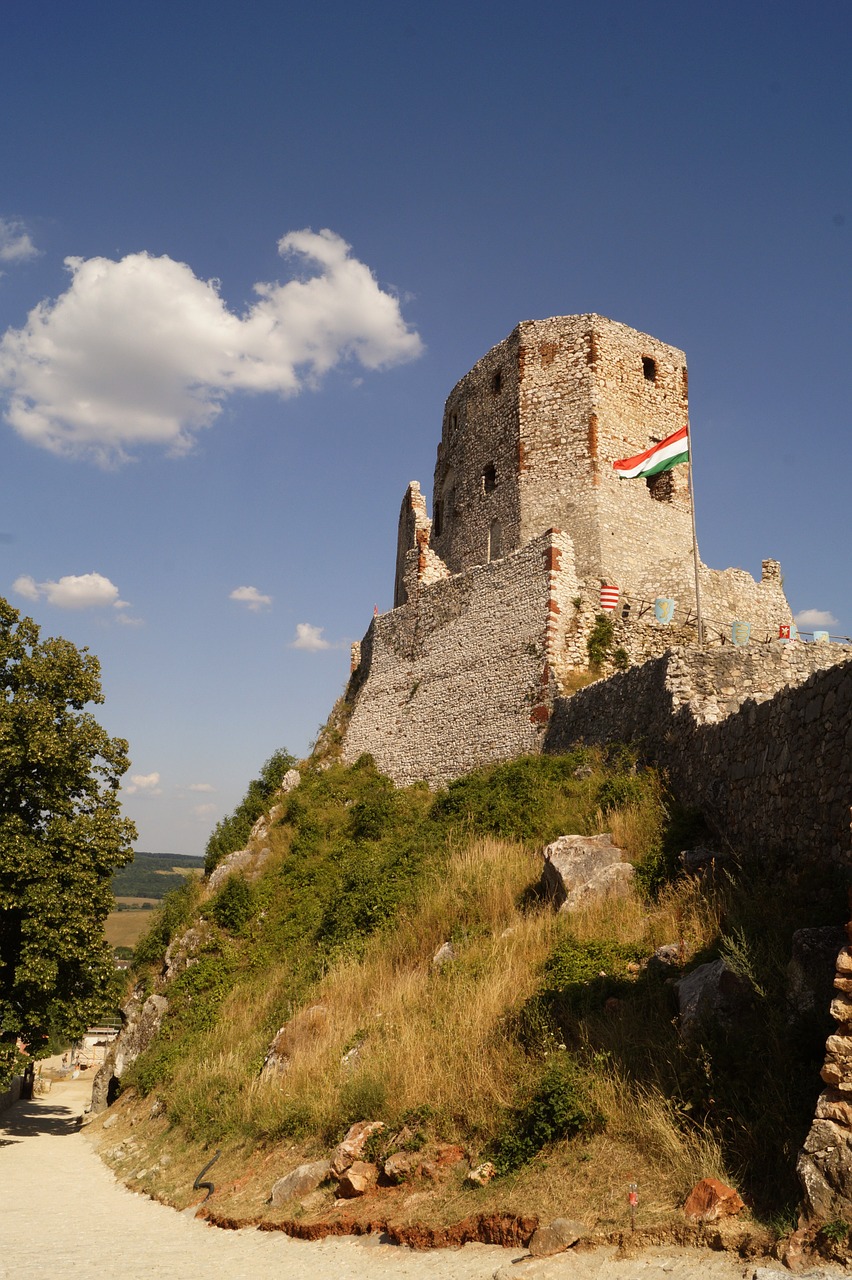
{"x":357,"y":1179}
{"x":141,"y":1019}
{"x":712,"y":998}
{"x":556,"y":1237}
{"x":300,"y":1182}
{"x":579,"y":868}
{"x":710,"y":1200}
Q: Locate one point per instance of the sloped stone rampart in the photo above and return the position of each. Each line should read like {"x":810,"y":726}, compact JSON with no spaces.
{"x":757,"y":738}
{"x":460,"y":675}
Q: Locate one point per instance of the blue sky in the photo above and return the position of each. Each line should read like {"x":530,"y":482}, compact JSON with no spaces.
{"x":166,"y":441}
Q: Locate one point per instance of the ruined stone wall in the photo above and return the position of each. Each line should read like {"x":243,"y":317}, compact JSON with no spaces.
{"x":475,"y":484}
{"x":758,"y":738}
{"x":459,"y":676}
{"x":416,"y":563}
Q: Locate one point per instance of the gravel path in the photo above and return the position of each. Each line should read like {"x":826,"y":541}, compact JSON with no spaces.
{"x":62,"y":1213}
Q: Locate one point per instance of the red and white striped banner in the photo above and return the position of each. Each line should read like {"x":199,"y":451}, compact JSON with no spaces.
{"x":609,"y":598}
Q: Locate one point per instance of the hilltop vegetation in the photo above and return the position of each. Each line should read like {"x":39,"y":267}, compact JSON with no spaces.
{"x":546,"y":1044}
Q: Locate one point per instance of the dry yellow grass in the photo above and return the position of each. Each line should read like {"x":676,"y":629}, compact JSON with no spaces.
{"x":125,"y":928}
{"x":428,"y":1035}
{"x":432,"y":1036}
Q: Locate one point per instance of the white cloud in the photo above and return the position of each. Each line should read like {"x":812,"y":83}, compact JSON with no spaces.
{"x":204,"y":811}
{"x":74,"y":591}
{"x":15,"y":241}
{"x":310,"y":638}
{"x":201,"y":786}
{"x":815,"y":619}
{"x":27,"y":587}
{"x":141,"y":351}
{"x":149,"y":783}
{"x":251,"y":597}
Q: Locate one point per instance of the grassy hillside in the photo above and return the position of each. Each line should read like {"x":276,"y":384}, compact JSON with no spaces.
{"x":547,"y":1044}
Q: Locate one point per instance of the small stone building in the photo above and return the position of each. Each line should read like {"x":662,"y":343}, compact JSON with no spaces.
{"x":496,"y":596}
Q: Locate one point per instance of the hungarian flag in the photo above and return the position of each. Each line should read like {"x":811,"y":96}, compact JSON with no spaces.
{"x":660,"y":457}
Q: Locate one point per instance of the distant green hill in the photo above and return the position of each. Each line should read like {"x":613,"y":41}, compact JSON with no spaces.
{"x":152,"y":875}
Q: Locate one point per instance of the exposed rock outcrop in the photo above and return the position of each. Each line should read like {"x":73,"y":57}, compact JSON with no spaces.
{"x":303,"y":1028}
{"x":142,"y":1018}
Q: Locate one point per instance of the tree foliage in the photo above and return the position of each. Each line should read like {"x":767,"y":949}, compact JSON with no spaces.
{"x":61,"y":837}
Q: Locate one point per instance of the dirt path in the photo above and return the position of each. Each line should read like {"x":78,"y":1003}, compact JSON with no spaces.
{"x":62,"y":1213}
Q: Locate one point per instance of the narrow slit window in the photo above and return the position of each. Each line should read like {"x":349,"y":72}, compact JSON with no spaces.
{"x":437,"y":520}
{"x":497,"y":382}
{"x":649,"y":368}
{"x":489,"y":478}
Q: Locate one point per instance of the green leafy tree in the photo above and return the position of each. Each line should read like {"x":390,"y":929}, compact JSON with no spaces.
{"x":61,"y":838}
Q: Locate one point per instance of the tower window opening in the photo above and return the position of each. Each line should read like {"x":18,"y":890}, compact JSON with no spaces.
{"x":489,"y":478}
{"x":661,"y":487}
{"x":437,"y":520}
{"x":649,"y":369}
{"x":497,"y":382}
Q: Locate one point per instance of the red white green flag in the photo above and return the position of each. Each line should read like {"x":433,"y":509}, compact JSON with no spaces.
{"x":660,"y":457}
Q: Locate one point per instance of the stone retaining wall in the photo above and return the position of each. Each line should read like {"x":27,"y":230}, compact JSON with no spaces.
{"x":758,"y":738}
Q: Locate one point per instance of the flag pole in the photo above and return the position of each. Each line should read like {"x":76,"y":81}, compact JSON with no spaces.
{"x":695,"y":544}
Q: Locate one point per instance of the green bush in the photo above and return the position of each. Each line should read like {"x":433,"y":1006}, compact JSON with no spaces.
{"x":234,"y":904}
{"x":171,"y":918}
{"x":620,"y":790}
{"x":557,"y":1110}
{"x":600,"y":641}
{"x":534,"y":798}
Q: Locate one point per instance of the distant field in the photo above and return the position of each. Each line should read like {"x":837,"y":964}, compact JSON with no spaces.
{"x":137,"y":902}
{"x":125,"y":928}
{"x":152,"y":875}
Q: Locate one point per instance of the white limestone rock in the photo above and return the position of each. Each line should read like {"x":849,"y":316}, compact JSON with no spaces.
{"x":577,"y":868}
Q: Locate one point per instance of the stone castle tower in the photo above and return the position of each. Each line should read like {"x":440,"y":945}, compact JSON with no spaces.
{"x":497,"y":595}
{"x":528,"y":442}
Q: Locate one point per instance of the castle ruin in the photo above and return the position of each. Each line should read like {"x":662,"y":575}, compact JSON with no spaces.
{"x":497,"y":595}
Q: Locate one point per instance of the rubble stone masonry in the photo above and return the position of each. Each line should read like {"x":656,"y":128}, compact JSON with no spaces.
{"x":459,"y":675}
{"x":759,"y":739}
